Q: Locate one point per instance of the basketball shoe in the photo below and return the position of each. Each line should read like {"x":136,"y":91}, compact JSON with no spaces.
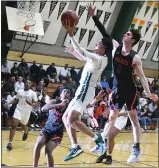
{"x":73,"y":153}
{"x":135,"y":154}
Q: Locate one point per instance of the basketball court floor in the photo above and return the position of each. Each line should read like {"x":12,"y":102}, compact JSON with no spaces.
{"x":21,"y":155}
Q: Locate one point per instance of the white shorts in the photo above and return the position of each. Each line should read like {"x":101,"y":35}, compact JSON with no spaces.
{"x":120,"y":122}
{"x":83,"y":97}
{"x":22,"y":115}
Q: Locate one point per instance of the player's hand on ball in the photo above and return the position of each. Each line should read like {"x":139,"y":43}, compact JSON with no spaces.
{"x":69,"y":49}
{"x":90,"y":9}
{"x":68,"y":27}
{"x":154,"y":97}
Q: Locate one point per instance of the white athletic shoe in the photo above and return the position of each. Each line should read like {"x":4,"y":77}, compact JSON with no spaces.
{"x":95,"y":149}
{"x":32,"y":126}
{"x":134,"y":157}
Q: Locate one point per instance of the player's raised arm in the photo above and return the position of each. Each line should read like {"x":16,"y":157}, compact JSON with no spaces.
{"x":99,"y":25}
{"x":75,"y":53}
{"x":78,"y":50}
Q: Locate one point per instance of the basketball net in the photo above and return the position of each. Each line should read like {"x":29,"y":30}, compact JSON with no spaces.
{"x":27,"y":9}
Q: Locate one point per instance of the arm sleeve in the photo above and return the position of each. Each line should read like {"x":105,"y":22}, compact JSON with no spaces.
{"x":101,"y":27}
{"x":82,"y":51}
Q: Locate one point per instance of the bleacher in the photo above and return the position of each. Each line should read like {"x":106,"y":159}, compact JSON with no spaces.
{"x":51,"y":88}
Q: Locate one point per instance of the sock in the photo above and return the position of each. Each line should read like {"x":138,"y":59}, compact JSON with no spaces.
{"x":74,"y":145}
{"x":109,"y":154}
{"x":95,"y":137}
{"x":137,"y":145}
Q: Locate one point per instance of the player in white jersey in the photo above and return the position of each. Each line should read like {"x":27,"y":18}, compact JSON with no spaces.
{"x":26,"y":99}
{"x":95,"y":64}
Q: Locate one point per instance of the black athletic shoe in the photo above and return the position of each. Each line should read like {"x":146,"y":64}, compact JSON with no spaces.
{"x":9,"y":146}
{"x":108,"y":159}
{"x":25,"y":136}
{"x":100,"y":158}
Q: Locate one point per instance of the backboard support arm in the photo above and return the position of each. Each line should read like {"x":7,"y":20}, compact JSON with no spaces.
{"x":26,"y":40}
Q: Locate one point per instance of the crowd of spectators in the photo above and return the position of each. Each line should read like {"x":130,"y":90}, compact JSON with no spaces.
{"x":68,"y":77}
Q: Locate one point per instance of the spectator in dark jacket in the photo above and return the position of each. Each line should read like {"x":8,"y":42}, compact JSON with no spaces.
{"x":34,"y":71}
{"x":73,"y":73}
{"x":52,"y":73}
{"x":23,"y":67}
{"x":42,"y":75}
{"x":15,"y":70}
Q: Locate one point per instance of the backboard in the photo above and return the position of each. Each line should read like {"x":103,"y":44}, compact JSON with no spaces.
{"x":16,"y":23}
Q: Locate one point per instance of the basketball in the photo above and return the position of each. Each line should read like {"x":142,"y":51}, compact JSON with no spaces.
{"x":71,"y":16}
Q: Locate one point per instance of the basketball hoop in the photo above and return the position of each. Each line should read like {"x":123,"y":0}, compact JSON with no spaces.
{"x":27,"y":9}
{"x":28,"y":24}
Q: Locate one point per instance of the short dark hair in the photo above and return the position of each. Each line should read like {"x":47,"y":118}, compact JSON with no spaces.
{"x":107,"y":43}
{"x":136,"y":35}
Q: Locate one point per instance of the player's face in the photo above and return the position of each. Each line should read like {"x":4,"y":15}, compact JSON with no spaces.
{"x":28,"y":84}
{"x":99,"y":48}
{"x":128,"y":37}
{"x":65,"y":94}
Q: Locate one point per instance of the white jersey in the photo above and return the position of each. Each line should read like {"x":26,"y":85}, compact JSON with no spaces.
{"x":95,"y":64}
{"x":23,"y":95}
{"x":92,"y":71}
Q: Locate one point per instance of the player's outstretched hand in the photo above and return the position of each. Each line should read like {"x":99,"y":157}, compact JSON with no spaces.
{"x":69,"y":49}
{"x":68,"y":27}
{"x":90,"y":9}
{"x":154,"y":97}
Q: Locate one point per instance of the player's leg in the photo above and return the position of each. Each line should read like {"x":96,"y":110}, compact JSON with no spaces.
{"x":107,"y":129}
{"x":24,"y":121}
{"x":70,"y":131}
{"x":114,"y":104}
{"x":41,"y":140}
{"x":120,"y":123}
{"x":114,"y":132}
{"x":15,"y":123}
{"x":50,"y":146}
{"x":136,"y":152}
{"x":73,"y":120}
{"x":26,"y":130}
{"x":75,"y":149}
{"x":54,"y":141}
{"x":108,"y":155}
